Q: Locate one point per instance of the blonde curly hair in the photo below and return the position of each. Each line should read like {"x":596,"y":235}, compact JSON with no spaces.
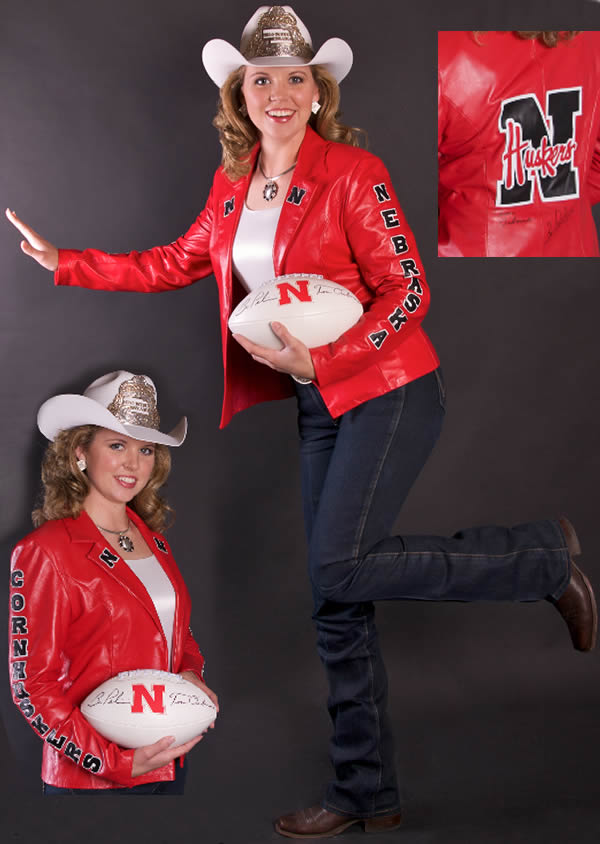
{"x":65,"y":487}
{"x":549,"y":37}
{"x":238,"y":135}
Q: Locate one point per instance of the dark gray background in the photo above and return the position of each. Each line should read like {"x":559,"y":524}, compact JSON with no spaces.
{"x":106,"y":141}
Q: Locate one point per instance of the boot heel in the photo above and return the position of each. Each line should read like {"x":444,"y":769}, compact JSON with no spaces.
{"x":383,"y":824}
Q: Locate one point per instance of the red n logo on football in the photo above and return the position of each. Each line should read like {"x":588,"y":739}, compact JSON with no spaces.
{"x":301,"y":292}
{"x":154,"y":699}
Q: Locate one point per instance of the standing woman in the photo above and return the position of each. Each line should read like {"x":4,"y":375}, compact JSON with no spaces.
{"x":95,"y":589}
{"x":296,"y":195}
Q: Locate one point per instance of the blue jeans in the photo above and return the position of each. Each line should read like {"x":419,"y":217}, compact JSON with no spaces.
{"x":356,"y":473}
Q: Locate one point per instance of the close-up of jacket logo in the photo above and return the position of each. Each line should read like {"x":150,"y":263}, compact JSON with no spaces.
{"x":539,"y":148}
{"x":228,"y":206}
{"x":296,"y":195}
{"x":108,"y":557}
{"x":160,"y":544}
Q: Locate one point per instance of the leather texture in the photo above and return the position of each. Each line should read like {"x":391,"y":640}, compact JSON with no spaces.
{"x":79,"y":616}
{"x":341,"y":219}
{"x":316,"y":822}
{"x":504,"y":103}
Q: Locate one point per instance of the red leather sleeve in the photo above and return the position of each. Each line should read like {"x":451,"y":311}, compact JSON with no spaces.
{"x":192,"y":659}
{"x":384,"y":249}
{"x":40,"y":614}
{"x":154,"y":270}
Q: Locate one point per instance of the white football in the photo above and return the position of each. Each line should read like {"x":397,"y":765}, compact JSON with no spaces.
{"x":136,"y":708}
{"x":313,"y":309}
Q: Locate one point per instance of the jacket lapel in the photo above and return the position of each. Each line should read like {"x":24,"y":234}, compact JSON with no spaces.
{"x":300,"y":196}
{"x":229,"y":210}
{"x":103,"y":555}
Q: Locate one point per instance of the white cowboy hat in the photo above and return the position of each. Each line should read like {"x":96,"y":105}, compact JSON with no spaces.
{"x":119,"y":401}
{"x":275,"y":37}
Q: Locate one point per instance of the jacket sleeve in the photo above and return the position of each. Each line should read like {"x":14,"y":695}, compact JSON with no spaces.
{"x":39,"y":618}
{"x":384,"y":249}
{"x":192,"y":659}
{"x":161,"y":268}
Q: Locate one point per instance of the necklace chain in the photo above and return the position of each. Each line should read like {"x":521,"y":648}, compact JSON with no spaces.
{"x":125,"y":542}
{"x":274,"y":178}
{"x":116,"y":531}
{"x":271,"y":188}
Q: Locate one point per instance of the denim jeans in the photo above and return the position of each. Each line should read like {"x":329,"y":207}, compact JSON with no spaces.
{"x":356,"y":473}
{"x":175,"y":786}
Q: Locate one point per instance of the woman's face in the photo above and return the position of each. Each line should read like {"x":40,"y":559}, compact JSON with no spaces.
{"x":279,"y":100}
{"x":118,"y":467}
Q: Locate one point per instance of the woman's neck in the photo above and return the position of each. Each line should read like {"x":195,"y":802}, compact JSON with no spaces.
{"x":276,"y":156}
{"x":107,"y":514}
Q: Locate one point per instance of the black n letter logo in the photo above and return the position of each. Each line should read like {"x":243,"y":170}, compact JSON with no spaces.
{"x":539,"y":148}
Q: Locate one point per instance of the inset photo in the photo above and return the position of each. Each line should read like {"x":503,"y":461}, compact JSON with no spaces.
{"x":518,"y":143}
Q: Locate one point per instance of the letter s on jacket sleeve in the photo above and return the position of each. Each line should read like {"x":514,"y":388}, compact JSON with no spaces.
{"x":385,"y":251}
{"x":152,"y":271}
{"x":39,"y":618}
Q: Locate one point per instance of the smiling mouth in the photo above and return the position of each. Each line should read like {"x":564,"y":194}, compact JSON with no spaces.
{"x":126,"y":480}
{"x":280,"y":112}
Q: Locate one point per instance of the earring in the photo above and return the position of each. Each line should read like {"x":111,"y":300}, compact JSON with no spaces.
{"x":243,"y":110}
{"x":315,"y":107}
{"x":81,"y":464}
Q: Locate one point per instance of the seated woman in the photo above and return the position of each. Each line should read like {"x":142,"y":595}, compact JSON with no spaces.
{"x":95,"y":589}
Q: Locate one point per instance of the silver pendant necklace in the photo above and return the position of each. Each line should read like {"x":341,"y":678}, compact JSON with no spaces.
{"x":124,"y":541}
{"x":271,"y":188}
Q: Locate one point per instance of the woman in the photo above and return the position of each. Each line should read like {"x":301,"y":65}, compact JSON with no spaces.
{"x":374,"y":405}
{"x":95,"y":589}
{"x":518,"y":143}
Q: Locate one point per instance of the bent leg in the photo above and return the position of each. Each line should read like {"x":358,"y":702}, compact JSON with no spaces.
{"x":381,"y":447}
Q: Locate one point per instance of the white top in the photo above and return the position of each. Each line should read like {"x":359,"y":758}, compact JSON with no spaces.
{"x":252,"y":255}
{"x":161,"y":591}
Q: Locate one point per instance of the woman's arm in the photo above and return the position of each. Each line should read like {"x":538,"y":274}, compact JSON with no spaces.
{"x":154,"y":270}
{"x":384,"y":248}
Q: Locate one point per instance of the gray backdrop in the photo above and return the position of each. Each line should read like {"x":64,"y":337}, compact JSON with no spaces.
{"x":107,"y":141}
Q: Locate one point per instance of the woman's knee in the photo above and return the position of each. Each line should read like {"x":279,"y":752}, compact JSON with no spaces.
{"x":331,"y":578}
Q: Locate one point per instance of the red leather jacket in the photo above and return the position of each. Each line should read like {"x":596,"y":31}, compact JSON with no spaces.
{"x":519,"y":145}
{"x":341,"y":219}
{"x":78,"y":616}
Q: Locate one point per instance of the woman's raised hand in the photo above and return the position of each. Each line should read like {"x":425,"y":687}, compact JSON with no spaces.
{"x":34,"y":245}
{"x":152,"y":756}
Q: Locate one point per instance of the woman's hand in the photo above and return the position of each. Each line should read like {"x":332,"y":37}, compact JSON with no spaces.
{"x":193,"y":678}
{"x":294,"y":358}
{"x":34,"y":245}
{"x":152,"y":756}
